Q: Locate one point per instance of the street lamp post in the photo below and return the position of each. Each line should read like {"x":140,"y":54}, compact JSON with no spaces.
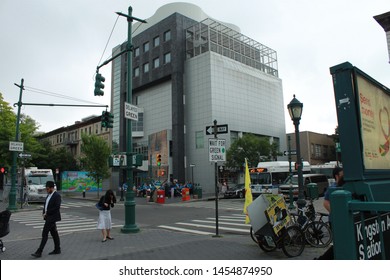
{"x":295,"y":111}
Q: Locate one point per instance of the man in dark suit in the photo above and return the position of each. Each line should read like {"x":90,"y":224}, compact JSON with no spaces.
{"x":51,"y":215}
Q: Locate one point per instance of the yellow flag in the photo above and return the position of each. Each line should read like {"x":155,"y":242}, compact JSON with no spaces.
{"x":248,"y":192}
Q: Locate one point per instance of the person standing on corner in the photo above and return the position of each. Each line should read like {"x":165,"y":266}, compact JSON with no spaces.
{"x":51,"y":215}
{"x":104,"y":222}
{"x":338,"y":175}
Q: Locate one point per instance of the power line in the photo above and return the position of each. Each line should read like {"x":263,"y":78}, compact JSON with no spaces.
{"x":50,"y":93}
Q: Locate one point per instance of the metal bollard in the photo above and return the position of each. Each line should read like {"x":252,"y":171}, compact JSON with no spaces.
{"x":83,"y":193}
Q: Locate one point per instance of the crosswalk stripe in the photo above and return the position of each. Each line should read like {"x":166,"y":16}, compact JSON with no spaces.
{"x":186,"y":230}
{"x":234,"y":223}
{"x":222,"y":223}
{"x":206,"y":226}
{"x":69,"y":223}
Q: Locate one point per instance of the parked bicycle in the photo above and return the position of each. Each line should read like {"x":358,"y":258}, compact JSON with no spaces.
{"x":315,"y":229}
{"x":317,"y":232}
{"x":276,"y":231}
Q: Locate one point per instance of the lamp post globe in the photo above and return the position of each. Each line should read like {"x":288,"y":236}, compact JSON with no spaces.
{"x":295,"y":111}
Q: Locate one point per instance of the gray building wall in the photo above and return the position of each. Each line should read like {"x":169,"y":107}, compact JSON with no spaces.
{"x":188,"y":93}
{"x":244,"y":98}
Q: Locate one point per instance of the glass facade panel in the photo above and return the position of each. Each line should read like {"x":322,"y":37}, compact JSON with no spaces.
{"x":156,"y":41}
{"x":167,"y":35}
{"x":199,"y":140}
{"x":167,"y":58}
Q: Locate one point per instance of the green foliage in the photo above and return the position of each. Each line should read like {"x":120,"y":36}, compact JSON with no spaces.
{"x":95,"y":157}
{"x":47,"y":157}
{"x":7,"y":131}
{"x":252,"y":147}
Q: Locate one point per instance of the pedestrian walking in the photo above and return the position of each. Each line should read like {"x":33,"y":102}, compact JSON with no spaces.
{"x":51,"y":215}
{"x":107,"y":201}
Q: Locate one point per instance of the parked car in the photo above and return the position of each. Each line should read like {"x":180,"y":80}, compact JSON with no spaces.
{"x":238,"y":191}
{"x":320,"y":179}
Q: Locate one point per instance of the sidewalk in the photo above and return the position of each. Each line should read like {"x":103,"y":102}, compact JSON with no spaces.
{"x":149,"y":243}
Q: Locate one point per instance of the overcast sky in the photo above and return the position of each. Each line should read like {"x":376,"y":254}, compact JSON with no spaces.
{"x":55,"y":46}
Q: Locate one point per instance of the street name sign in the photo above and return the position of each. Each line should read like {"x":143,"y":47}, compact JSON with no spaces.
{"x":131,"y":112}
{"x":21,"y":155}
{"x":16,"y":146}
{"x":217,"y":151}
{"x":292,"y":153}
{"x":223,"y":128}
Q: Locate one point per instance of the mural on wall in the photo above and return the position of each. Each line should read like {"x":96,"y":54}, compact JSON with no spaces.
{"x":78,"y":181}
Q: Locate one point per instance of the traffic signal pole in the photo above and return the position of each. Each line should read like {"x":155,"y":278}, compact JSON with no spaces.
{"x":130,"y":225}
{"x":12,"y":192}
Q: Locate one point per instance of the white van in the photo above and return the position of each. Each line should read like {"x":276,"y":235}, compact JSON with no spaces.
{"x":320,"y":179}
{"x":34,"y":181}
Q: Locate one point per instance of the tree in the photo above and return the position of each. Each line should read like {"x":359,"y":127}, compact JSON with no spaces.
{"x":7,"y":131}
{"x":252,"y":147}
{"x":95,"y":157}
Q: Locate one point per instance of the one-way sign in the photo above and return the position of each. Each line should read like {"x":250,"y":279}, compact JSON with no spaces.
{"x":292,"y":153}
{"x":223,"y":128}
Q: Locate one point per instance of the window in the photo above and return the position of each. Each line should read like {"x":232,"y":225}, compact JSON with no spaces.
{"x":136,"y":52}
{"x":167,"y":58}
{"x":146,"y":47}
{"x":167,"y":35}
{"x":199,"y":141}
{"x":156,"y":41}
{"x":146,"y":67}
{"x":156,"y":62}
{"x":136,"y":72}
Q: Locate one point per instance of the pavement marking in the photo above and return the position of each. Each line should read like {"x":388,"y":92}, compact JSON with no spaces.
{"x":222,"y":204}
{"x":68,"y":223}
{"x":234,"y":223}
{"x":187,"y":230}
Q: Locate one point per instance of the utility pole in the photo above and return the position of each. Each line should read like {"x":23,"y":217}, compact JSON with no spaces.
{"x":130,"y":225}
{"x":216,"y":186}
{"x":12,"y":193}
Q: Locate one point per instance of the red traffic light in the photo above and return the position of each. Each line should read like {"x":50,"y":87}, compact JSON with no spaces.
{"x":2,"y":170}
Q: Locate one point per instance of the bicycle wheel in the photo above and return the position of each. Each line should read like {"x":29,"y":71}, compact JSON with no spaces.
{"x":266,"y":243}
{"x":293,"y":241}
{"x":253,"y":236}
{"x":318,"y":234}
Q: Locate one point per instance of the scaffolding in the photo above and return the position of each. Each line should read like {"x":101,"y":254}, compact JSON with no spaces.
{"x":210,"y":35}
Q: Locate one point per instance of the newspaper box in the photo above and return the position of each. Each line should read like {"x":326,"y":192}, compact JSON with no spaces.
{"x":268,"y":214}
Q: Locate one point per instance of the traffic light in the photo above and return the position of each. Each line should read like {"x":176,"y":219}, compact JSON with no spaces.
{"x":158,"y":159}
{"x":107,"y":119}
{"x":3,"y":170}
{"x":99,"y":86}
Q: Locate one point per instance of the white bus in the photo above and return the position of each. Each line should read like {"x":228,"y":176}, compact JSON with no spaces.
{"x":268,"y":175}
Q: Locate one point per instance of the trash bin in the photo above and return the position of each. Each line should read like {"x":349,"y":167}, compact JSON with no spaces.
{"x":312,"y":191}
{"x":198,"y":191}
{"x":160,"y":196}
{"x":185,"y":194}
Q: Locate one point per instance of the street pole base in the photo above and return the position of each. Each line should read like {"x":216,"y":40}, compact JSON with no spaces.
{"x":12,"y":208}
{"x":130,"y":229}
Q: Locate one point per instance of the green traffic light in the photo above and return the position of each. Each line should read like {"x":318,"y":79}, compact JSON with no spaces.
{"x":99,"y":80}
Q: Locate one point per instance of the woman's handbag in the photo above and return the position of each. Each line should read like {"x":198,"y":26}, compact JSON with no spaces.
{"x":99,"y":206}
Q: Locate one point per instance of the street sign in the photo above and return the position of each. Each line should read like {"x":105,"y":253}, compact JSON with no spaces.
{"x":119,"y":160}
{"x":217,"y":151}
{"x":223,"y":128}
{"x":21,"y":155}
{"x":131,"y":112}
{"x":292,"y":153}
{"x":16,"y":146}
